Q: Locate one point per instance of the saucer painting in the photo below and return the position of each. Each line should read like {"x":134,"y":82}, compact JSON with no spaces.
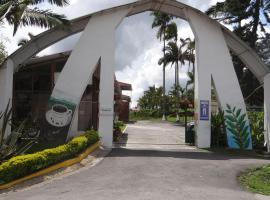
{"x":59,"y":115}
{"x":57,"y":120}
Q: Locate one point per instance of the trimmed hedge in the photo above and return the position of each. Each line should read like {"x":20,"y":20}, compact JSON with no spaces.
{"x":21,"y":166}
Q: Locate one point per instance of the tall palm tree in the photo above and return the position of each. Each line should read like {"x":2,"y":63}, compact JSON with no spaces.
{"x":190,"y":57}
{"x":172,"y":34}
{"x":161,"y":21}
{"x":25,"y":13}
{"x":190,"y":53}
{"x":174,"y":55}
{"x":171,"y":57}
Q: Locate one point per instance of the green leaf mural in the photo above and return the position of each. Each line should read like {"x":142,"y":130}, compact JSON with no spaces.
{"x":238,"y":126}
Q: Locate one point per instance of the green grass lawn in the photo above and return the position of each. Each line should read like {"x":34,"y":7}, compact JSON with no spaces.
{"x":257,"y":180}
{"x":169,"y":119}
{"x":182,"y":119}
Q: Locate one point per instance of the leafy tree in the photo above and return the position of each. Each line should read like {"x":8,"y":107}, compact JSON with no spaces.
{"x":263,"y":48}
{"x":152,"y":99}
{"x":248,"y":18}
{"x":233,"y":12}
{"x":25,"y":13}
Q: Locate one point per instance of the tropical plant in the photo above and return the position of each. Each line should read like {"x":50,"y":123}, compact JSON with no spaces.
{"x":190,"y":53}
{"x":257,"y":125}
{"x":161,"y":21}
{"x":238,"y":126}
{"x":191,"y":78}
{"x":174,"y":55}
{"x":151,"y":99}
{"x":25,"y":13}
{"x":218,"y":133}
{"x":18,"y":141}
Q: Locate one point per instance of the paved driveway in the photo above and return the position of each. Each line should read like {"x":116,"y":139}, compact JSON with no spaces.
{"x":153,"y":164}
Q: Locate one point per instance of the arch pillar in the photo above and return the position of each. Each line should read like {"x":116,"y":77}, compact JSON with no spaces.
{"x":267,"y":110}
{"x":214,"y":64}
{"x":6,"y":87}
{"x":96,"y":45}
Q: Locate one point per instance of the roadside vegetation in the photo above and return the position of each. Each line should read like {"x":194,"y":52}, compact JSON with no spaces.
{"x":248,"y":18}
{"x":20,"y":166}
{"x":257,"y":180}
{"x":118,"y":130}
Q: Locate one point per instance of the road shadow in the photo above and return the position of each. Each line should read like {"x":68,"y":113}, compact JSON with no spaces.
{"x":181,"y":153}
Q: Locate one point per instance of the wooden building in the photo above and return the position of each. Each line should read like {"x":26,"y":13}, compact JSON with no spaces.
{"x":34,"y":83}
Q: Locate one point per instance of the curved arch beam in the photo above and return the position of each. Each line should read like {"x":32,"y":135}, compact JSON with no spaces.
{"x":52,"y":36}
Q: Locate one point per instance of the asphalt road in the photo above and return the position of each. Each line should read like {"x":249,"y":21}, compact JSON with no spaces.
{"x":152,"y":163}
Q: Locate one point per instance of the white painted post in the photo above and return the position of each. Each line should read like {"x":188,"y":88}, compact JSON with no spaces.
{"x":6,"y":87}
{"x":106,"y":94}
{"x":267,"y":110}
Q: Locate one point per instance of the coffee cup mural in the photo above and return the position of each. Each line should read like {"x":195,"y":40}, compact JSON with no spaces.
{"x":59,"y":115}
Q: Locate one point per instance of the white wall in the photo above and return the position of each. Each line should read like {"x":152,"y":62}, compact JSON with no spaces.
{"x":267,"y":110}
{"x":6,"y":87}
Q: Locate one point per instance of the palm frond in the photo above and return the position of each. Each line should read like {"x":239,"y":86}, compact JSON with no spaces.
{"x":216,"y":9}
{"x":60,"y":3}
{"x":2,"y":2}
{"x":43,"y":18}
{"x":22,"y":42}
{"x":4,"y":8}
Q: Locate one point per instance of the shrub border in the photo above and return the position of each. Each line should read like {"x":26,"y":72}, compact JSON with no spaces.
{"x":52,"y":168}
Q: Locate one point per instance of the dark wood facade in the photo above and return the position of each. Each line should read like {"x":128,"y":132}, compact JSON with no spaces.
{"x":34,"y":83}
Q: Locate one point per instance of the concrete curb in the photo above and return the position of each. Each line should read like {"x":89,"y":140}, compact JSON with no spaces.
{"x":125,"y":129}
{"x":52,"y":168}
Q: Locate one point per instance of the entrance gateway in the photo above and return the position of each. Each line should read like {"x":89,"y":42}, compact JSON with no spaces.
{"x":97,"y":45}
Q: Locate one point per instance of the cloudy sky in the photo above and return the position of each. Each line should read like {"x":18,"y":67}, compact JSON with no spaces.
{"x":137,"y":49}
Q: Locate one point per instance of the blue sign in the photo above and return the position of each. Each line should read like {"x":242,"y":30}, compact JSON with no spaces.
{"x":204,"y":110}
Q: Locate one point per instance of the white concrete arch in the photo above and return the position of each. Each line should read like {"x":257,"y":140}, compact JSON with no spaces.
{"x":97,"y":41}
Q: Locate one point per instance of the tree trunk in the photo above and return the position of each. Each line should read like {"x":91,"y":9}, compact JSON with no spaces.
{"x":164,"y":83}
{"x":177,"y":86}
{"x":256,"y":18}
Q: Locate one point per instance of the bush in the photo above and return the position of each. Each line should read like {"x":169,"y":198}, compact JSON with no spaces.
{"x":257,"y":126}
{"x":20,"y":166}
{"x":218,"y":132}
{"x":145,"y":114}
{"x":118,"y":128}
{"x":118,"y":124}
